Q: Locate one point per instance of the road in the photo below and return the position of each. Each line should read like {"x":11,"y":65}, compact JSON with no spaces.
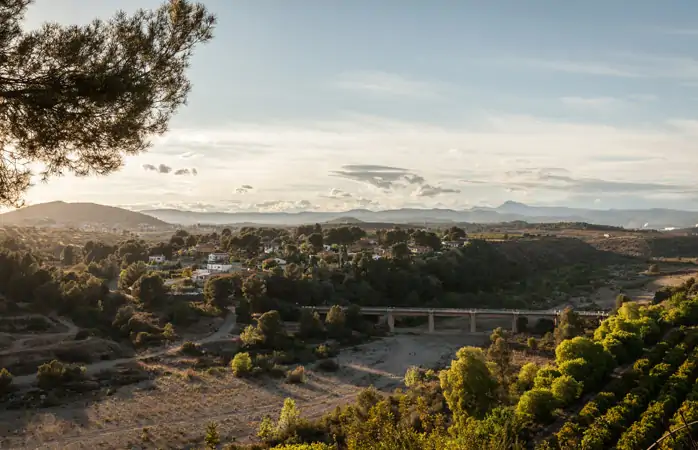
{"x":225,"y":329}
{"x":19,"y":344}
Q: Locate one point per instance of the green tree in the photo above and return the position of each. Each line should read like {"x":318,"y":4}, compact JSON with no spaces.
{"x":310,"y":324}
{"x":79,"y":98}
{"x":219,"y":290}
{"x":241,"y":364}
{"x":149,"y":289}
{"x":566,"y":389}
{"x":527,"y":376}
{"x":400,"y":251}
{"x":212,"y":438}
{"x":131,"y":274}
{"x":468,"y":386}
{"x":537,"y":404}
{"x":68,"y":255}
{"x":500,"y":354}
{"x":335,"y":322}
{"x":316,"y":241}
{"x":569,"y":325}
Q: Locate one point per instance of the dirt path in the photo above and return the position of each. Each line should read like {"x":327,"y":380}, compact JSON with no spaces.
{"x":22,"y":342}
{"x":225,"y":329}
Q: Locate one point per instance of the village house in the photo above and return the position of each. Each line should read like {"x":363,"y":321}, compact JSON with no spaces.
{"x":218,"y":257}
{"x":157,"y":259}
{"x":200,"y":276}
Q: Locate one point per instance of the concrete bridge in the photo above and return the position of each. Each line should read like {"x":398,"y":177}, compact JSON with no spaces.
{"x":390,"y":313}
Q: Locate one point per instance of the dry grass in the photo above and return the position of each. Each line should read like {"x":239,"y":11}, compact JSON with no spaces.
{"x":177,"y":405}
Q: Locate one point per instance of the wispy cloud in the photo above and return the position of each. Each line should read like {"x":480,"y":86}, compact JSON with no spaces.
{"x":384,"y":83}
{"x":596,"y":103}
{"x":623,"y":65}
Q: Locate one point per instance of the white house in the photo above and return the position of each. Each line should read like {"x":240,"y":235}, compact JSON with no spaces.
{"x":218,"y":258}
{"x":452,"y":244}
{"x":157,"y":259}
{"x":271,"y":248}
{"x":219,"y":267}
{"x":200,"y":275}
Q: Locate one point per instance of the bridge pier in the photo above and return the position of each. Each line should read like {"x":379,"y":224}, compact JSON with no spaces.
{"x":391,"y":322}
{"x":431,"y":321}
{"x":514,"y":324}
{"x":473,"y":324}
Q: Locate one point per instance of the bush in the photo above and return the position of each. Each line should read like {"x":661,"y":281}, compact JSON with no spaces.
{"x":296,"y":375}
{"x":532,"y":344}
{"x":653,"y":269}
{"x":191,"y":349}
{"x":55,"y":373}
{"x":241,"y":364}
{"x":566,"y":389}
{"x":327,"y":365}
{"x":324,"y":351}
{"x":5,"y":381}
{"x":527,"y":376}
{"x":537,"y":405}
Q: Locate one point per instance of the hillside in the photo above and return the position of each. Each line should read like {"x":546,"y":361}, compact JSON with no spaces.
{"x":78,"y":214}
{"x":658,"y":219}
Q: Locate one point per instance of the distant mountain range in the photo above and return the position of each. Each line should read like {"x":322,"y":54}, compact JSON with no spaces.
{"x":507,"y":212}
{"x":77,"y":214}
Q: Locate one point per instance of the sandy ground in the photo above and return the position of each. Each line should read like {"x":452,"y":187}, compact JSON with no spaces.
{"x":175,"y":410}
{"x":637,"y":286}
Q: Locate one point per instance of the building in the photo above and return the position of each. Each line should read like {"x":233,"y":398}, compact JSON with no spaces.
{"x":453,"y":244}
{"x":200,"y":275}
{"x":218,"y":257}
{"x":157,"y":259}
{"x":205,"y":248}
{"x":219,"y":267}
{"x":271,"y":248}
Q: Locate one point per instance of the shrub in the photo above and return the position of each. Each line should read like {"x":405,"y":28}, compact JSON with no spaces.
{"x":327,"y":365}
{"x":527,"y":376}
{"x":413,"y":376}
{"x":169,"y":333}
{"x":653,"y":269}
{"x":191,"y":349}
{"x":5,"y":380}
{"x":324,"y":351}
{"x":335,"y":322}
{"x":296,"y":375}
{"x":545,"y":377}
{"x":55,"y":373}
{"x":310,"y":324}
{"x":537,"y":405}
{"x":241,"y":364}
{"x":532,"y":344}
{"x":212,"y":438}
{"x":566,"y":389}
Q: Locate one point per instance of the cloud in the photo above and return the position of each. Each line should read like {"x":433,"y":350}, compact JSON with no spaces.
{"x":427,"y":190}
{"x":165,"y":169}
{"x":385,"y":84}
{"x":162,"y":168}
{"x":244,"y":189}
{"x":283,"y":205}
{"x":541,"y":179}
{"x":597,"y":103}
{"x":338,"y":193}
{"x":383,"y":177}
{"x":621,"y":65}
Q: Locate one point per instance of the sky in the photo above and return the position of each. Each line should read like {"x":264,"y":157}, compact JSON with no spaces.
{"x":335,"y":105}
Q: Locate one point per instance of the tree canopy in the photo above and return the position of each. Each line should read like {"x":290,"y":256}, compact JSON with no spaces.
{"x":79,"y":98}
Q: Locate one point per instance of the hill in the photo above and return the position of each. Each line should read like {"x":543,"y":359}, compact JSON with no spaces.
{"x":508,"y":212}
{"x":79,"y":214}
